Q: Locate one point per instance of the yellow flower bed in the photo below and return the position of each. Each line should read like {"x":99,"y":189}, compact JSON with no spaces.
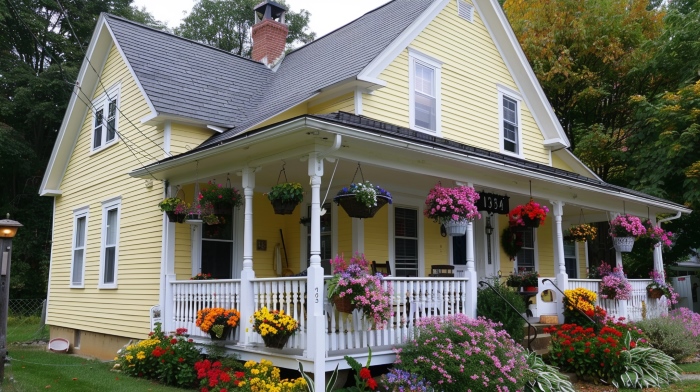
{"x":266,"y":378}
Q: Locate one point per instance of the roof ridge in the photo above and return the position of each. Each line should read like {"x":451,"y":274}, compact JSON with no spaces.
{"x":339,"y":28}
{"x":121,"y":18}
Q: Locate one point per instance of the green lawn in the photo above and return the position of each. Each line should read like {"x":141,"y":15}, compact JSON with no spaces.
{"x":25,"y":329}
{"x":37,"y":370}
{"x":692,"y":368}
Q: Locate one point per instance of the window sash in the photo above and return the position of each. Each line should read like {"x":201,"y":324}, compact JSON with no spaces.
{"x":111,"y":120}
{"x":526,"y":256}
{"x":98,"y":129}
{"x":405,"y":241}
{"x":110,"y":232}
{"x":424,"y":96}
{"x":510,"y":124}
{"x":79,"y":250}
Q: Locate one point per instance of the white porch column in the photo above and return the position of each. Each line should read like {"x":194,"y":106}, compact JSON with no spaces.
{"x":316,"y":321}
{"x":247,"y":306}
{"x":658,"y":255}
{"x":472,"y":284}
{"x":168,"y":271}
{"x":358,"y":235}
{"x":562,"y":277}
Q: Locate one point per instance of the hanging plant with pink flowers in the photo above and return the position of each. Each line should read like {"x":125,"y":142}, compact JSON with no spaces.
{"x":627,"y":226}
{"x":451,"y":204}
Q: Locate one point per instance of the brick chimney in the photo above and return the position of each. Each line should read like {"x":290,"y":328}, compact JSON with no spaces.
{"x":269,"y":32}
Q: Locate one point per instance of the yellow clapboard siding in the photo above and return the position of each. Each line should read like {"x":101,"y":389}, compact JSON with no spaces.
{"x":186,"y":137}
{"x":471,"y":70}
{"x":90,"y":179}
{"x":559,"y":163}
{"x":377,"y":236}
{"x":345,"y":103}
{"x":436,"y":246}
{"x":545,"y":247}
{"x":344,"y":233}
{"x":295,"y":111}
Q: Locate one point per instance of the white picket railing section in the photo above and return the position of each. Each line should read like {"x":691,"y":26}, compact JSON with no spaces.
{"x":412,"y":299}
{"x":655,"y":308}
{"x":189,"y":296}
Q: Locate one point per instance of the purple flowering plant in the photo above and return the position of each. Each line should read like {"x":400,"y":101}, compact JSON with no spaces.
{"x":451,"y":204}
{"x":627,"y":226}
{"x":614,"y":284}
{"x":366,"y":291}
{"x":690,"y":319}
{"x":659,"y":283}
{"x":457,"y":353}
{"x":659,"y":236}
{"x":365,"y":193}
{"x":403,"y":381}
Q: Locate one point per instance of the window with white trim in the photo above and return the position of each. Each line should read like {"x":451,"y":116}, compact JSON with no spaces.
{"x":525,"y":260}
{"x":509,"y":114}
{"x":424,"y":94}
{"x":109,"y":253}
{"x":105,"y":115}
{"x":406,"y":241}
{"x":570,"y":259}
{"x":77,"y":273}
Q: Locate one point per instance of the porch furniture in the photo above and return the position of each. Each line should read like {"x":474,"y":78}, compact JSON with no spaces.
{"x":383,"y":268}
{"x":442,"y":270}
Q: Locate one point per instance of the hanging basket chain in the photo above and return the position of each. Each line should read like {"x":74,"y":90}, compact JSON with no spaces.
{"x":180,"y":191}
{"x":228,"y":181}
{"x":282,"y":171}
{"x":581,"y":218}
{"x":359,"y":168}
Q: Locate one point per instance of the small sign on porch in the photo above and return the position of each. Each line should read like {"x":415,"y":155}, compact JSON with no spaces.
{"x":156,"y":317}
{"x":491,"y":202}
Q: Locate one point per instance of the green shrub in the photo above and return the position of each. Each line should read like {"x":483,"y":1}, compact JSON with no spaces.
{"x":670,"y":336}
{"x":458,"y":353}
{"x":646,"y":367}
{"x":544,"y":378}
{"x":489,"y":305}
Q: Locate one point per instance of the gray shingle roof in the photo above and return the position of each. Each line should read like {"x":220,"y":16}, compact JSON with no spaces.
{"x":186,"y":78}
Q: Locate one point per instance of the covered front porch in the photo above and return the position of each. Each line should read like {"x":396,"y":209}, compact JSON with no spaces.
{"x":323,"y":154}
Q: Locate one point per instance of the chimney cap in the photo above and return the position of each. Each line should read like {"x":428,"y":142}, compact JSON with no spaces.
{"x":277,"y":9}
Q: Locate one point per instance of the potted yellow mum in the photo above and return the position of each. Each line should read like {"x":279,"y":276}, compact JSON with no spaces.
{"x":274,"y":326}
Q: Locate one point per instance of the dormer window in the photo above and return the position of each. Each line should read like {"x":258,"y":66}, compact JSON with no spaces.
{"x":105,"y":115}
{"x":509,"y":114}
{"x":424,"y":98}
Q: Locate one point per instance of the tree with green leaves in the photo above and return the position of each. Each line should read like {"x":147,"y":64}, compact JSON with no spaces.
{"x":226,"y":24}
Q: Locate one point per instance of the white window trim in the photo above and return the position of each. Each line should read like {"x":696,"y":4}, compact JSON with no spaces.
{"x":413,"y":56}
{"x":108,"y":205}
{"x":196,"y":240}
{"x":102,"y":102}
{"x":82,"y":212}
{"x":514,"y":95}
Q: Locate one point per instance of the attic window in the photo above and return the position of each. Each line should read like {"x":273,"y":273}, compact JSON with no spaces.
{"x":105,"y":124}
{"x":465,"y":11}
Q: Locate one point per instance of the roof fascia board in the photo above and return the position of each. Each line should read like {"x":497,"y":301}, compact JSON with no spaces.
{"x":507,"y":44}
{"x":572,"y":160}
{"x":69,"y":131}
{"x":554,"y":144}
{"x":156,"y":119}
{"x":346,"y":86}
{"x":131,"y":70}
{"x":371,"y":136}
{"x":379,"y":63}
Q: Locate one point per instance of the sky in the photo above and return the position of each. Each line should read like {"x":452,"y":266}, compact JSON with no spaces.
{"x":326,"y":15}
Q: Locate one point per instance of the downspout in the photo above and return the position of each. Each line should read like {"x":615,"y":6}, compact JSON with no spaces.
{"x":658,"y":258}
{"x":670,"y":218}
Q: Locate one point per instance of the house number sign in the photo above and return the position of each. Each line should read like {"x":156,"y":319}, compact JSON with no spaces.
{"x":491,"y":202}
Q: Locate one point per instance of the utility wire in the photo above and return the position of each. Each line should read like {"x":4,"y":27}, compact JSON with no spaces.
{"x":99,"y":78}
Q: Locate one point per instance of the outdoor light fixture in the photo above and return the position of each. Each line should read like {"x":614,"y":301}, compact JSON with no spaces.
{"x":489,"y":231}
{"x":8,"y":227}
{"x":489,"y":228}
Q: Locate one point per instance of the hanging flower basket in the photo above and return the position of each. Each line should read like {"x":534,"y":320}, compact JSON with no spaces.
{"x":222,"y":198}
{"x":357,"y":209}
{"x":583,"y":232}
{"x":285,"y":197}
{"x":623,"y":244}
{"x":224,"y":335}
{"x":343,"y":304}
{"x":529,"y":222}
{"x":531,"y":214}
{"x":456,"y":228}
{"x":655,"y":293}
{"x":276,"y":341}
{"x":175,"y":218}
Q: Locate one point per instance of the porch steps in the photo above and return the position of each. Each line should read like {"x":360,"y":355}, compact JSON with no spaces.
{"x":541,"y":342}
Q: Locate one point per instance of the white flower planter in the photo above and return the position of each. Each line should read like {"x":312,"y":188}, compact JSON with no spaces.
{"x":456,"y":228}
{"x":623,"y":244}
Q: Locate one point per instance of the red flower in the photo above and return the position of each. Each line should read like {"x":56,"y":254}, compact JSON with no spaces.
{"x":173,"y":341}
{"x":181,"y":359}
{"x":239,"y":375}
{"x":633,"y":344}
{"x":365,"y":374}
{"x":371,"y":384}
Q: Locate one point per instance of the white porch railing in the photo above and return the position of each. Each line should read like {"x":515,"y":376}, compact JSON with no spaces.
{"x":413,"y":298}
{"x":189,"y":296}
{"x":655,"y":308}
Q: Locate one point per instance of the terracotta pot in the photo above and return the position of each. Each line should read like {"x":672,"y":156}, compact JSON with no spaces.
{"x":531,"y":289}
{"x":656,"y":293}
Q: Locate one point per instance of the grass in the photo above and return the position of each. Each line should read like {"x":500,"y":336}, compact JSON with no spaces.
{"x":24,"y":329}
{"x":692,"y":368}
{"x":34,"y":369}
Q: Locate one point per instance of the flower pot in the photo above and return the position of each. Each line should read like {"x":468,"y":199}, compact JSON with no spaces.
{"x":534,"y":223}
{"x":283,"y":207}
{"x":530,"y":289}
{"x":355,"y":209}
{"x":623,"y":244}
{"x":173,"y":217}
{"x":224,"y":336}
{"x":456,"y":228}
{"x":655,"y":293}
{"x":343,"y":304}
{"x":276,"y":341}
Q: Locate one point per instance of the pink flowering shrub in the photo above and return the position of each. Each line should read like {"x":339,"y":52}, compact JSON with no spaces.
{"x":614,"y":284}
{"x":446,"y":204}
{"x":352,"y":279}
{"x":458,"y":353}
{"x":659,"y":283}
{"x":659,"y":236}
{"x":691,"y":321}
{"x":627,"y":226}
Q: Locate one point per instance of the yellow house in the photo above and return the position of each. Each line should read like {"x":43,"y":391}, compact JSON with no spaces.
{"x":412,"y":94}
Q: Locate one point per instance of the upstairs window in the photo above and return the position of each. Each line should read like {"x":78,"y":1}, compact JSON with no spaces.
{"x":424,"y":99}
{"x":105,"y":115}
{"x":509,"y":108}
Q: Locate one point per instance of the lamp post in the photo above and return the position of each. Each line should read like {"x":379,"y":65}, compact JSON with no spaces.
{"x":8,"y":229}
{"x":489,"y":231}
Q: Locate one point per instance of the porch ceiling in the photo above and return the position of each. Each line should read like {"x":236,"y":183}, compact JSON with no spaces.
{"x":406,"y":166}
